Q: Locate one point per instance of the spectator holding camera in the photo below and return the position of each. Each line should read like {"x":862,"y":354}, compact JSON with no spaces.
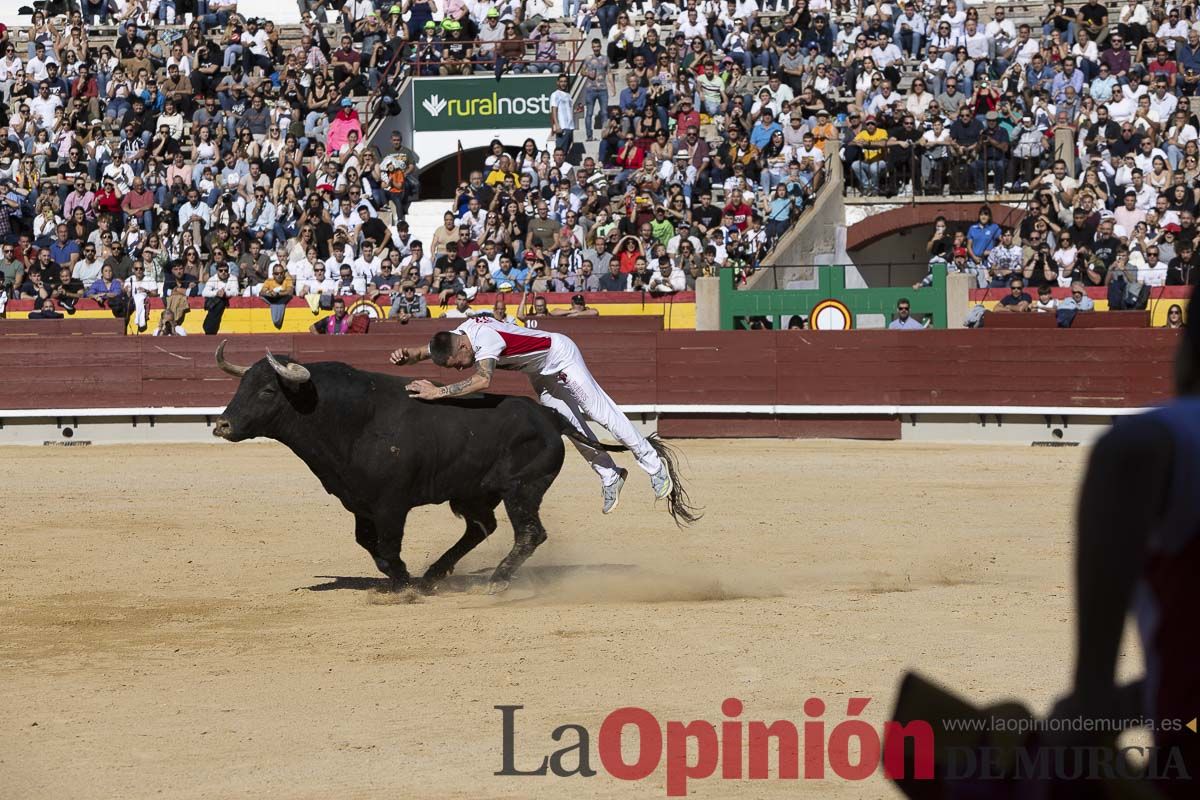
{"x":168,"y":326}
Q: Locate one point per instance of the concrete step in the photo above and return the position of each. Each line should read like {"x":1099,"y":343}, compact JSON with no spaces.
{"x":424,"y":217}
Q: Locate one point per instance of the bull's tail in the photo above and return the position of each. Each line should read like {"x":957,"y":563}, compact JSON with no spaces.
{"x":679,"y":505}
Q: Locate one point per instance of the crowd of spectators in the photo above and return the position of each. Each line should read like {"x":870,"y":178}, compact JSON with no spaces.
{"x":198,"y":159}
{"x":990,"y":105}
{"x":1123,"y":254}
{"x":198,"y":156}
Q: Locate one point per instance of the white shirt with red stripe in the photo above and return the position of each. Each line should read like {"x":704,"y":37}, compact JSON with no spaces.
{"x":516,"y":348}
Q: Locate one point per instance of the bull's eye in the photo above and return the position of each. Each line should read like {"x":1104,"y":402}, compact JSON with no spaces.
{"x":267,"y":391}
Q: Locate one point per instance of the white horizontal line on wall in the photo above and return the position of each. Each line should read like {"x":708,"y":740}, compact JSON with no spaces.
{"x":668,"y":408}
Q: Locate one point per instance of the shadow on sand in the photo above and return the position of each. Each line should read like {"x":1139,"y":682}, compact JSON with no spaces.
{"x":536,"y":577}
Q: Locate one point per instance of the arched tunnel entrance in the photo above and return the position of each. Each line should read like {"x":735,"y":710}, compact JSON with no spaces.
{"x":889,"y":248}
{"x":440,"y":178}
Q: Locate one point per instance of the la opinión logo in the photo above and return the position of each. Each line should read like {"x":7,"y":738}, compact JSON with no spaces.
{"x":739,"y":749}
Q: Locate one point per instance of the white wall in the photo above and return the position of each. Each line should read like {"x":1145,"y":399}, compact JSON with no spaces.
{"x":281,"y":12}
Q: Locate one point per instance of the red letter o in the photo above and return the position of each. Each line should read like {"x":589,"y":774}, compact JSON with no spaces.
{"x":649,"y":743}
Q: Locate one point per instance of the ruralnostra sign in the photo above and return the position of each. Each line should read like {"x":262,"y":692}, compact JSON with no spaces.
{"x":457,"y":104}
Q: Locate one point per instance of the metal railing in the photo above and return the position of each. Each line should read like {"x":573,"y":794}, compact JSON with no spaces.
{"x":890,"y":270}
{"x":949,"y":172}
{"x":484,"y":64}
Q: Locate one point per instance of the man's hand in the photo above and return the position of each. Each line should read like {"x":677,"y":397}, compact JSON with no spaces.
{"x":424,"y":390}
{"x":402,"y":356}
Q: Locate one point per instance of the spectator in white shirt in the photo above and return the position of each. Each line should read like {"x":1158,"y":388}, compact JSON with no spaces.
{"x":1152,"y":271}
{"x":980,"y":47}
{"x":317,"y":283}
{"x":667,"y":280}
{"x":1177,"y":137}
{"x":260,"y":217}
{"x":366,"y":266}
{"x":347,"y":284}
{"x":955,"y":17}
{"x":339,"y":253}
{"x":416,"y":258}
{"x":1121,"y":107}
{"x":139,"y":287}
{"x":474,"y":216}
{"x":1173,"y":31}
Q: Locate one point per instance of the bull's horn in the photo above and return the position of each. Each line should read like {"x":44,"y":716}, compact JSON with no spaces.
{"x":291,"y":372}
{"x":232,"y":369}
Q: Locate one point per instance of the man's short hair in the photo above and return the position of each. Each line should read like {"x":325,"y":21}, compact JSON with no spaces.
{"x":441,"y":347}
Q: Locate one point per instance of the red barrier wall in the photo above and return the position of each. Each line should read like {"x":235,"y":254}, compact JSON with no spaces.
{"x":1103,"y":367}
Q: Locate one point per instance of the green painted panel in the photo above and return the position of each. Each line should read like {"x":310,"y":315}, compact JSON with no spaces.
{"x":927,"y":301}
{"x":458,"y":104}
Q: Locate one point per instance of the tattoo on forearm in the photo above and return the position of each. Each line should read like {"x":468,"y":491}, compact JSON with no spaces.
{"x":483,"y":369}
{"x":455,"y":389}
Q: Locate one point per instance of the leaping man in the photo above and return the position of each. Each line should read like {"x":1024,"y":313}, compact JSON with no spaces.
{"x":562,"y":382}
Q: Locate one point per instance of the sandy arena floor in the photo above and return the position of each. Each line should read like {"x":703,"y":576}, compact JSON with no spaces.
{"x":197,"y":621}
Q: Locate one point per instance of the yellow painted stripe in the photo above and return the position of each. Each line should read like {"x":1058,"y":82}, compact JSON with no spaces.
{"x":677,"y":316}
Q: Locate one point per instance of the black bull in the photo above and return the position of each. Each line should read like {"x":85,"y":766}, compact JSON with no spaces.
{"x":381,"y":453}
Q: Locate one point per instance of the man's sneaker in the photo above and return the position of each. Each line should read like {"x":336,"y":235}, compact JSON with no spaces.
{"x":612,"y":492}
{"x":661,"y":482}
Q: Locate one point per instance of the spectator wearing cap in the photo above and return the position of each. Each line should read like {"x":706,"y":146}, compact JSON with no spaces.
{"x":456,"y":52}
{"x":219,"y":287}
{"x":1077,"y":301}
{"x":409,"y":305}
{"x":1028,"y":147}
{"x":490,"y":33}
{"x":995,"y":153}
{"x":1124,"y":291}
{"x":426,"y":48}
{"x":683,"y":232}
{"x":579,"y":308}
{"x":345,"y":121}
{"x":872,"y":141}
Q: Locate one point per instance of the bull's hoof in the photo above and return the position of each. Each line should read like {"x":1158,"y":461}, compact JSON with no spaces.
{"x":497,"y":586}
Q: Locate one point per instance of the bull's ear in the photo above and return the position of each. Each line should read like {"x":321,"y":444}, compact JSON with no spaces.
{"x":291,"y":373}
